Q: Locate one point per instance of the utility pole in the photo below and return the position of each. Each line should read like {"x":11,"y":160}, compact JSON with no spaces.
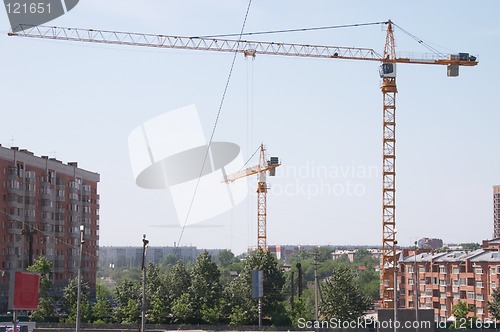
{"x":396,"y":297}
{"x":143,"y":306}
{"x":29,"y":232}
{"x":299,"y":279}
{"x":79,"y":291}
{"x":416,"y":287}
{"x":316,"y":286}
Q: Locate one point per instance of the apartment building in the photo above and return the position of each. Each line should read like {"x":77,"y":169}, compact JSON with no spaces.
{"x":43,"y":203}
{"x":440,"y":279}
{"x":496,"y":212}
{"x":128,"y":256}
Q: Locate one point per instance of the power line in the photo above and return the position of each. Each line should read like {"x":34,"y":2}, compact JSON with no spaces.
{"x":214,"y":128}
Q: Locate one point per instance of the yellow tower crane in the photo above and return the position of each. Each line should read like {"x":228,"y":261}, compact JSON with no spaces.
{"x":264,"y":166}
{"x":388,"y":61}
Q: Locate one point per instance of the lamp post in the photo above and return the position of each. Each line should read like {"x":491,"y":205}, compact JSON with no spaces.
{"x":416,"y":286}
{"x":143,"y":307}
{"x":79,"y":291}
{"x":395,"y":265}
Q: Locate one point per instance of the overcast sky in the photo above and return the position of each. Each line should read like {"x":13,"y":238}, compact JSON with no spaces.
{"x":322,"y":117}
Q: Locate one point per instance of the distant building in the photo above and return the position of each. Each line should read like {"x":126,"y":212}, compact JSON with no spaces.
{"x":376,"y":253}
{"x":282,"y":251}
{"x":496,"y":212}
{"x":336,"y":254}
{"x":43,"y":203}
{"x":121,"y":256}
{"x":428,"y":243}
{"x":441,"y":280}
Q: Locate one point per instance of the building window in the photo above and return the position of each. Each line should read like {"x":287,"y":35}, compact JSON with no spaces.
{"x":470,"y":295}
{"x":456,"y":270}
{"x":463,"y":281}
{"x":410,"y":281}
{"x":442,"y":269}
{"x":421,"y":269}
{"x":479,"y":284}
{"x":479,"y":297}
{"x":480,"y":311}
{"x":478,"y":270}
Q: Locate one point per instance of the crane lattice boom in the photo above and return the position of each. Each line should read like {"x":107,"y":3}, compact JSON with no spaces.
{"x":248,"y":48}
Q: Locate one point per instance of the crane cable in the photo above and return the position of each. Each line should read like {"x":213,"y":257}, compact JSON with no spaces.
{"x":213,"y":129}
{"x":420,"y":41}
{"x":291,"y":30}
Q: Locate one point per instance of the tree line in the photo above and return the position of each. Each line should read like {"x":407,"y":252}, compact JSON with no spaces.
{"x":206,"y":292}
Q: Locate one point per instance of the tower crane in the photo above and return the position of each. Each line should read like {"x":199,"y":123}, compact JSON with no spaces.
{"x":387,"y":60}
{"x":260,"y":169}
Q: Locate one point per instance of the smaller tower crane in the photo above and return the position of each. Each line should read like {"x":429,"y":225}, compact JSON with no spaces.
{"x":260,"y":169}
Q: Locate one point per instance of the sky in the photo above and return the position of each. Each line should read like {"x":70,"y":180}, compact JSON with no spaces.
{"x":322,"y":117}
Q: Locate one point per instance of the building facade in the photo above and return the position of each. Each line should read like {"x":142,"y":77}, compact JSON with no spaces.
{"x":496,"y":212}
{"x":128,"y":256}
{"x":43,"y":203}
{"x":131,"y":257}
{"x":440,"y":280}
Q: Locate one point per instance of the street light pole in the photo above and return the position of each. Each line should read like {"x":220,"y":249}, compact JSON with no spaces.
{"x":396,"y":298}
{"x":143,"y":307}
{"x":79,"y":291}
{"x":416,"y":286}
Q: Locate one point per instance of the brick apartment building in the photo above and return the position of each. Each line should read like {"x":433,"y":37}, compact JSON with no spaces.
{"x":496,"y":212}
{"x":44,"y":201}
{"x":442,"y":279}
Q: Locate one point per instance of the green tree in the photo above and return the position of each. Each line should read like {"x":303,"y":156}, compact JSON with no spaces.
{"x":494,"y":305}
{"x":177,"y":281}
{"x":225,"y":257}
{"x":300,"y":310}
{"x":131,"y":312}
{"x":460,"y":311}
{"x":470,"y":246}
{"x":128,"y":301}
{"x":157,"y":304}
{"x":238,"y":316}
{"x":242,"y":310}
{"x":182,"y":309}
{"x":205,"y":288}
{"x":46,"y":310}
{"x":238,"y":292}
{"x":342,"y":296}
{"x":70,"y":295}
{"x":102,"y":310}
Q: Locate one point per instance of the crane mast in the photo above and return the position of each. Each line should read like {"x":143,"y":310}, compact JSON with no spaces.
{"x":389,"y":90}
{"x":252,"y":48}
